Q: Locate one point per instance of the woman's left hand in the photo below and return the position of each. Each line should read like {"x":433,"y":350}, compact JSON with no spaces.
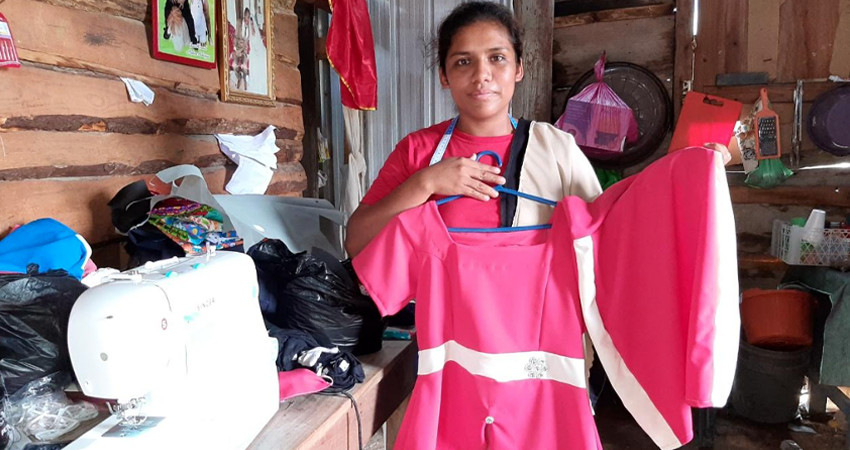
{"x":722,"y":149}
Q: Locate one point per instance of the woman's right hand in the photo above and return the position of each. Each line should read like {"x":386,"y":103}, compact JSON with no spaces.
{"x":462,"y":176}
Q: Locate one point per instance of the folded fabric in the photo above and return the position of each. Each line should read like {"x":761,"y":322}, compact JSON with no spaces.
{"x":46,"y":245}
{"x":297,"y":348}
{"x":300,"y":382}
{"x":193,"y":226}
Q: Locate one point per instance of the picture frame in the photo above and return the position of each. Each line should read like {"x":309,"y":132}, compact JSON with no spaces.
{"x":246,"y":52}
{"x":184,"y":31}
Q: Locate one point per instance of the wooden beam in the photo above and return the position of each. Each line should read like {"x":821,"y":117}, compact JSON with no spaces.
{"x":840,"y":64}
{"x":815,"y":196}
{"x":322,"y":49}
{"x":130,"y":9}
{"x":760,"y":262}
{"x":321,"y":4}
{"x":806,"y":39}
{"x":533,"y":97}
{"x":576,"y":49}
{"x":778,"y":92}
{"x":763,"y":36}
{"x":613,"y":15}
{"x":283,"y":6}
{"x":46,"y":154}
{"x":286,"y":38}
{"x":138,"y":9}
{"x":574,"y":7}
{"x":100,"y":104}
{"x":116,"y":46}
{"x":684,"y":52}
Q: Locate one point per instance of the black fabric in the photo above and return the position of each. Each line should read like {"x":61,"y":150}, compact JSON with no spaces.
{"x":406,"y":318}
{"x":34,"y":312}
{"x":519,"y":143}
{"x":130,"y":209}
{"x":316,"y":293}
{"x":343,"y":368}
{"x":130,"y":206}
{"x":147,"y":243}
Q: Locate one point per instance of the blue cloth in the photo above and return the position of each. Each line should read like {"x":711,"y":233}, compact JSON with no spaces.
{"x":47,"y":243}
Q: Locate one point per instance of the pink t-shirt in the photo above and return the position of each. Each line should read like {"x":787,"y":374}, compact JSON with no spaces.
{"x":414,"y":153}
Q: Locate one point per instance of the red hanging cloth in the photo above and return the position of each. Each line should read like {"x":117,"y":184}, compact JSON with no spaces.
{"x":351,"y":52}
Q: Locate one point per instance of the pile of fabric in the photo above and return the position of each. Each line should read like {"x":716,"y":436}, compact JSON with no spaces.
{"x":193,"y":226}
{"x":175,"y":226}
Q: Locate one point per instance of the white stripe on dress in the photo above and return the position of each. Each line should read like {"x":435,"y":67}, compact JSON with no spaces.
{"x":505,"y":367}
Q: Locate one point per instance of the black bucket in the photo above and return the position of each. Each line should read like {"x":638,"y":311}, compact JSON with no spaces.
{"x":767,"y":383}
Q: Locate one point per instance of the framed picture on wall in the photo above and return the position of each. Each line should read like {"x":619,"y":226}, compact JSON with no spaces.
{"x":184,"y":31}
{"x":246,"y":52}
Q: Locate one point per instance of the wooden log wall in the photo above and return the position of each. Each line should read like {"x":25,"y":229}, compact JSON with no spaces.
{"x":71,"y":138}
{"x":790,"y":40}
{"x":640,"y":34}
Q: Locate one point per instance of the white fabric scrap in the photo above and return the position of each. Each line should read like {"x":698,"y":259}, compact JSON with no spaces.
{"x":139,"y":92}
{"x":311,"y":357}
{"x":255,"y":156}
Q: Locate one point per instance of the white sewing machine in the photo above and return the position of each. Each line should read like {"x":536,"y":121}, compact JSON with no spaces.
{"x":180,"y":346}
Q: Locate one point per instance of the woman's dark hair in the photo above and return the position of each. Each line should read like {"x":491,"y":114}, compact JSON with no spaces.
{"x":474,"y":12}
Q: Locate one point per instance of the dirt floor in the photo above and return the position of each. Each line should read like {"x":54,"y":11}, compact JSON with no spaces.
{"x":620,"y":432}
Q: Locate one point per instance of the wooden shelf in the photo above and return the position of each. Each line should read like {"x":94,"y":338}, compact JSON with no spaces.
{"x":614,"y":15}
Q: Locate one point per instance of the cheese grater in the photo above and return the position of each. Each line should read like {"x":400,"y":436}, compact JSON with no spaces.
{"x":767,"y":131}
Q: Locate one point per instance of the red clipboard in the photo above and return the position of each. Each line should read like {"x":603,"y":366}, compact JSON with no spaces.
{"x":704,"y":119}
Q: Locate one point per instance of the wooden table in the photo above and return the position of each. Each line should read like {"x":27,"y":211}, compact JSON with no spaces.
{"x":324,"y":422}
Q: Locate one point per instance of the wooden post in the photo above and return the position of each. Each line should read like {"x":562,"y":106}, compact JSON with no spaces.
{"x":684,"y":51}
{"x":323,"y":4}
{"x":533,"y":97}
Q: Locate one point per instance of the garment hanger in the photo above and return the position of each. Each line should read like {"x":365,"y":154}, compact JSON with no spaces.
{"x":504,"y":190}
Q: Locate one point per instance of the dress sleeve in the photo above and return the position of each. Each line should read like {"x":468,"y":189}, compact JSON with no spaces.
{"x":660,"y":291}
{"x":388,"y":266}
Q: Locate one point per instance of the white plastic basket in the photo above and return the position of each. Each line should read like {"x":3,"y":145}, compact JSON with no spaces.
{"x":796,"y":246}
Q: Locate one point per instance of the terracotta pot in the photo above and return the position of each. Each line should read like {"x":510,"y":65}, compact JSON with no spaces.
{"x":777,"y":319}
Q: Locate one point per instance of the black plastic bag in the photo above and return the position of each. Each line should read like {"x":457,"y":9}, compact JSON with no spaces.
{"x":316,"y":293}
{"x":34,"y":312}
{"x":5,"y":428}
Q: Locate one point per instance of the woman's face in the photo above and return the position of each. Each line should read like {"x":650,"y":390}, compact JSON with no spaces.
{"x":481,"y":70}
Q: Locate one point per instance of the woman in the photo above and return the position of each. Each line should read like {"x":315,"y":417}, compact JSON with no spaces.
{"x":480,"y":62}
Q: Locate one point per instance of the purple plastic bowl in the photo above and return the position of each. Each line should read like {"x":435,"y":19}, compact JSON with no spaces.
{"x":829,"y":121}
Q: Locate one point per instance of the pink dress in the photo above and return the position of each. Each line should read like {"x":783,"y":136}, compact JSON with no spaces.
{"x":648,"y":270}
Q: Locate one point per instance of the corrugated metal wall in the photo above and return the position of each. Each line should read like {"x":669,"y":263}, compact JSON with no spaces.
{"x":409,"y":93}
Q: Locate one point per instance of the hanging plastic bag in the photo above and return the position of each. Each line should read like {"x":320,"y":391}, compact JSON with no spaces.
{"x":316,"y":293}
{"x":34,"y":312}
{"x":598,"y":118}
{"x":769,"y":174}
